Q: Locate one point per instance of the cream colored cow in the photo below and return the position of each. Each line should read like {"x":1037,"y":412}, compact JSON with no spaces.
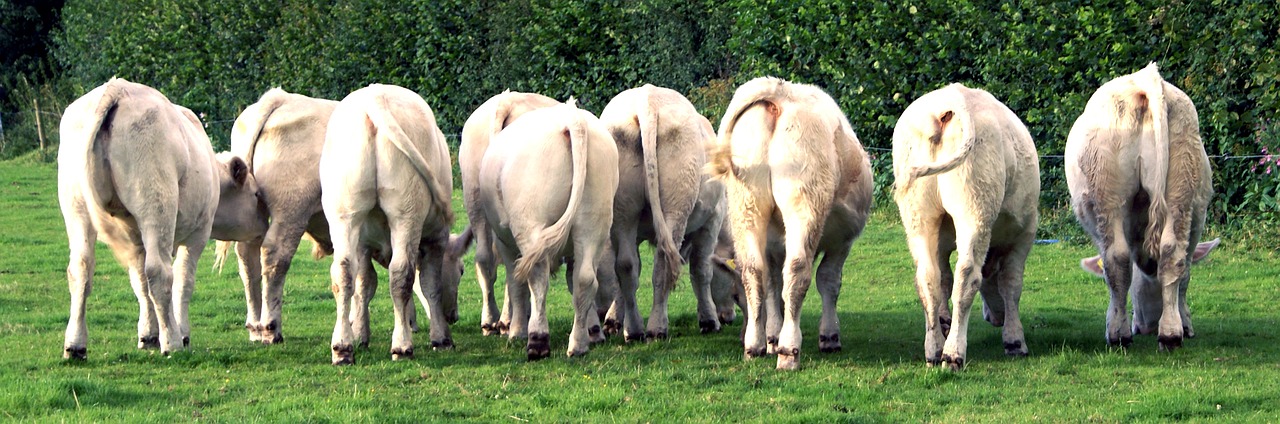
{"x":386,"y":187}
{"x":661,"y":150}
{"x":967,"y":180}
{"x":798,"y":185}
{"x":546,"y":189}
{"x":492,"y":116}
{"x":280,"y":137}
{"x":1140,"y":184}
{"x":139,"y":172}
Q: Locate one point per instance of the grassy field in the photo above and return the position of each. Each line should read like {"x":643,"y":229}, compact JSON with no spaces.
{"x":1231,"y":371}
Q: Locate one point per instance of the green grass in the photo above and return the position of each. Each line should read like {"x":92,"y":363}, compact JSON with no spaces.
{"x":1231,"y":371}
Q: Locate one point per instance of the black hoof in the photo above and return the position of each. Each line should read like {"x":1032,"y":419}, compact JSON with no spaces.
{"x":75,"y":353}
{"x":1015,"y":349}
{"x":503,"y":328}
{"x":489,"y":329}
{"x":829,"y":344}
{"x":364,"y":344}
{"x":708,"y":326}
{"x":933,"y":360}
{"x":342,"y":354}
{"x":638,"y":337}
{"x":594,"y":332}
{"x":539,"y":346}
{"x":726,"y":320}
{"x":149,"y":342}
{"x":945,"y":323}
{"x":1187,"y":333}
{"x":754,"y":353}
{"x":954,"y":363}
{"x":1123,"y":342}
{"x":398,"y":354}
{"x":653,"y":336}
{"x":446,"y":344}
{"x":612,"y":327}
{"x":1169,"y":343}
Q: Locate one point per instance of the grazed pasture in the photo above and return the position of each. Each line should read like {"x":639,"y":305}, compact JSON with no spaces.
{"x":1230,"y":371}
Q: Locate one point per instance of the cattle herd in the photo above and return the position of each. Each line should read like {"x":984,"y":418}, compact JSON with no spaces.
{"x":750,"y":209}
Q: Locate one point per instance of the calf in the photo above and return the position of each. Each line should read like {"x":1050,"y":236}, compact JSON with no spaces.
{"x":492,"y":116}
{"x":1140,"y":184}
{"x":139,"y":171}
{"x":546,"y":190}
{"x":798,"y":184}
{"x":386,"y":187}
{"x":661,"y":149}
{"x":967,"y":179}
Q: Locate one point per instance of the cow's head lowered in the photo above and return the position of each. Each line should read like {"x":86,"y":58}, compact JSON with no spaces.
{"x":451,"y":269}
{"x":241,"y":214}
{"x":1094,"y":264}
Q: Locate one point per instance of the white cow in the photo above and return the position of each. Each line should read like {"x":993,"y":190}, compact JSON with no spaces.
{"x":546,"y":189}
{"x":139,"y":171}
{"x":798,"y":184}
{"x":1140,"y":184}
{"x":492,"y":116}
{"x":280,"y":137}
{"x":386,"y":188}
{"x":661,"y":150}
{"x":967,"y":180}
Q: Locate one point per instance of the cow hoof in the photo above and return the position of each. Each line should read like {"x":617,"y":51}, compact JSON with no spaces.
{"x":594,"y":335}
{"x":363,"y":344}
{"x":398,"y":353}
{"x":504,"y":328}
{"x":954,"y":363}
{"x":75,"y":353}
{"x":727,"y":319}
{"x":829,"y":344}
{"x":186,"y":341}
{"x":932,"y":362}
{"x":577,"y":354}
{"x":1015,"y":349}
{"x":149,"y":342}
{"x":489,"y":329}
{"x":753,"y":353}
{"x":772,"y":346}
{"x":539,"y":346}
{"x":342,"y":355}
{"x":788,"y":359}
{"x":413,"y":326}
{"x":709,"y":326}
{"x":629,"y":338}
{"x":1169,"y":343}
{"x":1187,"y":332}
{"x":945,"y":323}
{"x":612,"y":327}
{"x":653,"y":336}
{"x":1123,"y":342}
{"x":446,"y":344}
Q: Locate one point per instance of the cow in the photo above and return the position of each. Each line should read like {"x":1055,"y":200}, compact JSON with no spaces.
{"x":546,"y":187}
{"x":798,"y":184}
{"x":662,"y":142}
{"x":386,"y":183}
{"x":491,"y":117}
{"x":139,"y":171}
{"x":966,"y":180}
{"x":1140,"y":184}
{"x":280,"y":138}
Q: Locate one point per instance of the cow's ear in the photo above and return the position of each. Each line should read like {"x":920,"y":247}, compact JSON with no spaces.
{"x":239,"y":170}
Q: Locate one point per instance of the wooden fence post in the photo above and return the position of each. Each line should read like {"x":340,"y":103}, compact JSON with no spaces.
{"x":39,"y":128}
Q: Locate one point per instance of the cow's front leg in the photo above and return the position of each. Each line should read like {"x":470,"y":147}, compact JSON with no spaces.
{"x":148,"y":327}
{"x":249,"y":256}
{"x":584,"y":299}
{"x":278,"y":248}
{"x":366,"y":286}
{"x":663,"y":282}
{"x":829,"y":282}
{"x":184,"y":286}
{"x":431,"y":288}
{"x":1119,"y":274}
{"x":1174,"y":267}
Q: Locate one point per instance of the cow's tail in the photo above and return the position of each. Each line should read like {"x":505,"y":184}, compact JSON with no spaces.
{"x":648,"y":118}
{"x":97,"y":172}
{"x":220,"y":251}
{"x":1155,"y":152}
{"x":944,"y":122}
{"x":501,"y":111}
{"x":251,"y":126}
{"x":761,"y":90}
{"x":553,"y":238}
{"x":387,"y":124}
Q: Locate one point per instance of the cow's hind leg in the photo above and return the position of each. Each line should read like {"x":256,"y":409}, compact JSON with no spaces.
{"x":81,"y":239}
{"x":539,"y":345}
{"x":148,"y":327}
{"x":923,"y":242}
{"x":278,"y":248}
{"x":431,"y":288}
{"x":365,"y":287}
{"x":583,"y":275}
{"x":700,"y":274}
{"x":829,"y":282}
{"x":804,"y":229}
{"x":627,"y":270}
{"x":348,"y":258}
{"x":972,"y":252}
{"x":406,"y":234}
{"x":486,"y":273}
{"x":1009,"y":278}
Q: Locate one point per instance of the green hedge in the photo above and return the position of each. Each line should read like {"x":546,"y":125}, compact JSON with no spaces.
{"x":1044,"y":59}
